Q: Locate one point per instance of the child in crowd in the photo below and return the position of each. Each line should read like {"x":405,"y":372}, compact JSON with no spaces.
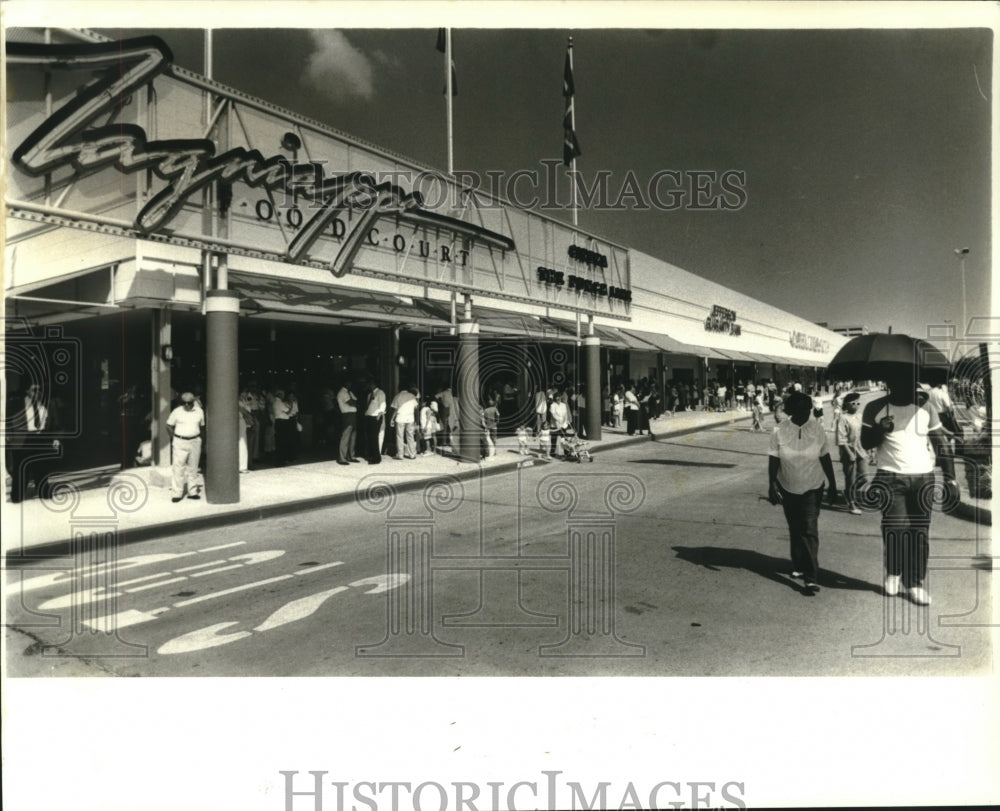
{"x":522,"y":440}
{"x":544,"y":437}
{"x":429,"y":427}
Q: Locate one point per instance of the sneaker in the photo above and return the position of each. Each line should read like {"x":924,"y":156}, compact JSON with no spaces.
{"x":796,"y":574}
{"x":919,"y":595}
{"x":855,"y":510}
{"x":892,"y":585}
{"x":175,"y":499}
{"x":812,"y":585}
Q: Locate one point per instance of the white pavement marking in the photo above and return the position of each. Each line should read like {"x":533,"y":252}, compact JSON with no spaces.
{"x":216,"y":571}
{"x":233,"y":590}
{"x":202,"y":638}
{"x":201,"y":565}
{"x":111,"y":622}
{"x":290,"y":612}
{"x":312,"y":569}
{"x":155,"y":585}
{"x":100,"y":592}
{"x":382,"y":582}
{"x":298,"y":609}
{"x":222,"y":546}
{"x":45,"y":580}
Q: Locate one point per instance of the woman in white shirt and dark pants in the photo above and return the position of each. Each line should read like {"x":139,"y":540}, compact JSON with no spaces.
{"x":906,"y":435}
{"x":798,"y":466}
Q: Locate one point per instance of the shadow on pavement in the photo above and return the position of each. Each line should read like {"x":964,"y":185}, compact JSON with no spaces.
{"x":769,"y":567}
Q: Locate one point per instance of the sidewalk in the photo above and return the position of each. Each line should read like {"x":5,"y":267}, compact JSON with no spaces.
{"x":137,"y":504}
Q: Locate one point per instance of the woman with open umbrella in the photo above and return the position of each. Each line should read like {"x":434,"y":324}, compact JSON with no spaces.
{"x":907,"y":434}
{"x":798,"y":466}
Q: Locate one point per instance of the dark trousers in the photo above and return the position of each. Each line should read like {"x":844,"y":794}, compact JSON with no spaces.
{"x":906,"y":523}
{"x":802,"y":515}
{"x":346,"y":448}
{"x":285,"y":440}
{"x":631,"y":420}
{"x":373,"y":453}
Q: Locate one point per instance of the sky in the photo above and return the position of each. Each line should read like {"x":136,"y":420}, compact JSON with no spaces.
{"x":866,"y":153}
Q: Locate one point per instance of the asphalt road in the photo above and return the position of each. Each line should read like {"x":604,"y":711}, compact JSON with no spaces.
{"x":656,"y":559}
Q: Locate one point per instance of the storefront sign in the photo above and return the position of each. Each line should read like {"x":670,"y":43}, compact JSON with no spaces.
{"x":74,"y":137}
{"x":722,"y":320}
{"x":809,"y":342}
{"x":557,"y":278}
{"x":592,"y":258}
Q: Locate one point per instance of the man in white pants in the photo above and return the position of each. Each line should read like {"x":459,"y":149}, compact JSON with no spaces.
{"x":185,"y":424}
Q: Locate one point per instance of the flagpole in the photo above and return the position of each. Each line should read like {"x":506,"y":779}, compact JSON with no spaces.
{"x":572,"y":121}
{"x":448,"y":94}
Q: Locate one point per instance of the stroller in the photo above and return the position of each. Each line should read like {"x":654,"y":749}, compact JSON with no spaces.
{"x":574,"y":449}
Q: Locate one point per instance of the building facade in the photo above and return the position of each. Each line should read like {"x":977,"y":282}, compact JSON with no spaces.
{"x":172,"y":234}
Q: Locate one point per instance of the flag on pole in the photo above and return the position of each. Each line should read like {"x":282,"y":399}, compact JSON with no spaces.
{"x":443,"y":48}
{"x":571,"y":147}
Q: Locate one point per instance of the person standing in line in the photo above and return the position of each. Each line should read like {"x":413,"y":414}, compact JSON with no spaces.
{"x":798,"y":461}
{"x":244,"y":418}
{"x":580,"y":419}
{"x":374,"y":414}
{"x":267,"y":435}
{"x":542,"y":399}
{"x":631,"y":409}
{"x":185,"y":425}
{"x":606,"y":406}
{"x":721,"y":393}
{"x":559,"y":420}
{"x":248,"y":414}
{"x":853,"y":457}
{"x":347,"y":404}
{"x":446,"y":411}
{"x":906,"y":435}
{"x":404,"y":406}
{"x":30,"y":426}
{"x":618,"y":406}
{"x":280,"y":416}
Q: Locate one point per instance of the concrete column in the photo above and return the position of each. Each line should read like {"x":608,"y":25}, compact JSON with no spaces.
{"x":160,"y":400}
{"x":222,"y":477}
{"x":592,"y":385}
{"x":389,"y":361}
{"x":467,"y":390}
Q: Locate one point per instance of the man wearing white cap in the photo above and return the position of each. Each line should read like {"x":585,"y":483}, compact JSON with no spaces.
{"x":185,"y":424}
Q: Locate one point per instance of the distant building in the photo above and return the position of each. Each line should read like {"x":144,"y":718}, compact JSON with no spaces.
{"x":850,"y":332}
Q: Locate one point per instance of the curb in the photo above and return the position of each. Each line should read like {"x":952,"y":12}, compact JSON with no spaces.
{"x":67,"y":546}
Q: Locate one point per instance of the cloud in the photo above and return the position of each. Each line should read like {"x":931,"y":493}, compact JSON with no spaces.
{"x":338,"y":69}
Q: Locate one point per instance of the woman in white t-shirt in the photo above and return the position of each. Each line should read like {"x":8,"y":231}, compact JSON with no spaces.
{"x":798,"y":467}
{"x":907,"y":436}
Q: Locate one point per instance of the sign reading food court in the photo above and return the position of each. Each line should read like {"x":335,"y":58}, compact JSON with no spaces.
{"x":345,"y":209}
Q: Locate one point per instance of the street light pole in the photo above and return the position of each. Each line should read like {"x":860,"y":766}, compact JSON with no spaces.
{"x":961,"y":253}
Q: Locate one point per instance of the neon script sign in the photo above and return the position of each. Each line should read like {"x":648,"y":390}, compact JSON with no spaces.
{"x":73,"y":136}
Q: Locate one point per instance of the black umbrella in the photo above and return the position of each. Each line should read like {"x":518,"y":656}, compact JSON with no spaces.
{"x":881,"y":356}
